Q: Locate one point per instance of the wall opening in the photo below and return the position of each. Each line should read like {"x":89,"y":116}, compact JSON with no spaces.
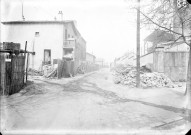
{"x":47,"y":56}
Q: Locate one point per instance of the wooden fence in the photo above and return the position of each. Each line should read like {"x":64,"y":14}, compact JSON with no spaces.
{"x":2,"y":74}
{"x":12,"y":74}
{"x":70,"y":68}
{"x":65,"y":68}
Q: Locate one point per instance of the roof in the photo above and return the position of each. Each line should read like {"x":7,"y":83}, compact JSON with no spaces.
{"x":90,"y":54}
{"x":159,"y":36}
{"x":36,"y":22}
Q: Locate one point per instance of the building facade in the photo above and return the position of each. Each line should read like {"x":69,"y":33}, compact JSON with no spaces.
{"x":48,"y":39}
{"x":90,"y":58}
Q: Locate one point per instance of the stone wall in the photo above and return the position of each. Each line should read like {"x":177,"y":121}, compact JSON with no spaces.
{"x":173,"y":64}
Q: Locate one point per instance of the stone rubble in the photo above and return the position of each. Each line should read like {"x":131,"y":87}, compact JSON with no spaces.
{"x":126,"y":75}
{"x":34,"y":72}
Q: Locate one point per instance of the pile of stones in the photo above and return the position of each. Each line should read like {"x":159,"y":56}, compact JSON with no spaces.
{"x":126,"y":75}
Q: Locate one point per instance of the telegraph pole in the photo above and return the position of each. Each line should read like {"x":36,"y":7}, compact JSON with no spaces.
{"x":138,"y":45}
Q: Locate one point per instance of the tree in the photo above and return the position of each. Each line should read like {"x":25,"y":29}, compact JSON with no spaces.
{"x":173,"y":16}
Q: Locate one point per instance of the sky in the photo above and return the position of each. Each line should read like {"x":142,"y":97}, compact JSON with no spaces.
{"x":108,"y":26}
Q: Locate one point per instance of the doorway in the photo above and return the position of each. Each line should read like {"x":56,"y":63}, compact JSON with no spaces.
{"x":47,"y":56}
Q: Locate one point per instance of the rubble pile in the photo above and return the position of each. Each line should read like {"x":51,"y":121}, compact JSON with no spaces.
{"x":156,"y":79}
{"x":50,"y":71}
{"x":34,"y":72}
{"x":47,"y":71}
{"x":127,"y":76}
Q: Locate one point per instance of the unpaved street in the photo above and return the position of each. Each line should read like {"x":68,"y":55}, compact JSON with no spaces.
{"x":92,"y":103}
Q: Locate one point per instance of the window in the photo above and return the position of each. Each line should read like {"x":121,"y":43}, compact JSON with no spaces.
{"x":66,"y":33}
{"x":37,"y":34}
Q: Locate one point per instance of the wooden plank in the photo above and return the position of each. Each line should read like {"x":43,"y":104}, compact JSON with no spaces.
{"x":27,"y":66}
{"x":2,"y":73}
{"x":24,"y":60}
{"x":59,"y":69}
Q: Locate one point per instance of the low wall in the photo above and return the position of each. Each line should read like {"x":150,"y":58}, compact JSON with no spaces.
{"x":92,"y":67}
{"x":65,"y":68}
{"x":173,"y":64}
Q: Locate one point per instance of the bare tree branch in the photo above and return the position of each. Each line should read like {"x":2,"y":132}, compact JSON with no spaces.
{"x":159,"y":25}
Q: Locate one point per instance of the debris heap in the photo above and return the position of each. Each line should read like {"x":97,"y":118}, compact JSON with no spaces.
{"x":34,"y":72}
{"x":50,"y":71}
{"x":47,"y":71}
{"x":126,"y":75}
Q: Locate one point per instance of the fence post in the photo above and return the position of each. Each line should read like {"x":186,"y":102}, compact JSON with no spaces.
{"x":24,"y":61}
{"x":27,"y":66}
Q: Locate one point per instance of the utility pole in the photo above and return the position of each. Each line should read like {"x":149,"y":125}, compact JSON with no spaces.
{"x":138,"y":45}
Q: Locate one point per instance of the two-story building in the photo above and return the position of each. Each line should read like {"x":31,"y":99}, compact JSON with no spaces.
{"x":49,"y":39}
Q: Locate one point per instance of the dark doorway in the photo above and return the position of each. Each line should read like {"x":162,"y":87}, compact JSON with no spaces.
{"x":47,"y":56}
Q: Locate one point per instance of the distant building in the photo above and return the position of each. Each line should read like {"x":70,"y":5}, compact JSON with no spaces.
{"x":126,"y":59}
{"x":100,"y":62}
{"x":157,"y":37}
{"x":49,"y":39}
{"x":90,"y":58}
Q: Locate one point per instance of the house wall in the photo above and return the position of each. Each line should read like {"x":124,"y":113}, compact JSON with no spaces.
{"x":70,"y":31}
{"x":173,"y":64}
{"x":80,"y":54}
{"x":50,"y":37}
{"x":158,"y":61}
{"x":80,"y":47}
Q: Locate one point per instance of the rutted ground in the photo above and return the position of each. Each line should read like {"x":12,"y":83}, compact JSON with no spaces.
{"x":92,"y":102}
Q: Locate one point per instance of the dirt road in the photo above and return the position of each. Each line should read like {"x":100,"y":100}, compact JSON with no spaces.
{"x":91,"y":103}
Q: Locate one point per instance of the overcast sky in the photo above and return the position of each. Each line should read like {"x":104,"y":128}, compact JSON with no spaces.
{"x":108,"y":26}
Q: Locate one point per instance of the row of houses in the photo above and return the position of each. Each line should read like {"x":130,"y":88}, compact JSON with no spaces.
{"x":50,"y":40}
{"x":55,"y":43}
